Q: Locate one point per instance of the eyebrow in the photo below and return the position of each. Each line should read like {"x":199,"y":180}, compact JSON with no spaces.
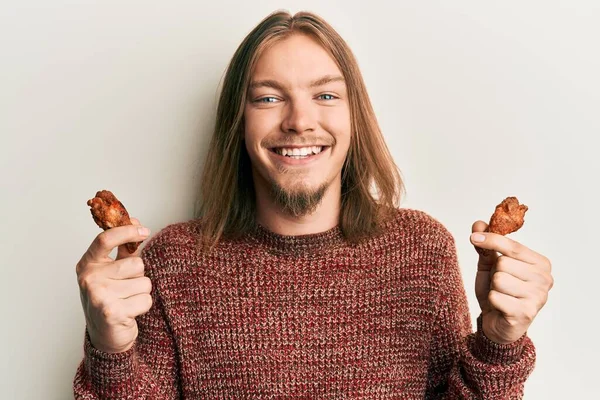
{"x":276,"y":85}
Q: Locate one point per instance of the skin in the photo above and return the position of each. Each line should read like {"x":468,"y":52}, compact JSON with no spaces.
{"x":297,"y":114}
{"x":114,"y":292}
{"x":511,"y":288}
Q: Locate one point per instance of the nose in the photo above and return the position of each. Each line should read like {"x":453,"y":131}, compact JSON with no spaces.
{"x":299,"y":117}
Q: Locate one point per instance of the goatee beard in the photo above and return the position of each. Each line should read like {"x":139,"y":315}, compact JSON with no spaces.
{"x":298,"y":203}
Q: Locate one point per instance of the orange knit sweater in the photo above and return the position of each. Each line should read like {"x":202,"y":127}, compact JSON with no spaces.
{"x":280,"y":317}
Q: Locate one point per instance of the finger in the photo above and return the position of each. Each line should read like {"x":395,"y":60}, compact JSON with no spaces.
{"x":513,"y":308}
{"x":125,"y":288}
{"x":539,"y":282}
{"x":479,"y":226}
{"x":510,"y":285}
{"x":508,"y":305}
{"x":519,"y":269}
{"x":482,"y":287}
{"x":127,"y":268}
{"x":106,"y":241}
{"x":506,"y":246}
{"x":122,"y":251}
{"x":137,"y":305}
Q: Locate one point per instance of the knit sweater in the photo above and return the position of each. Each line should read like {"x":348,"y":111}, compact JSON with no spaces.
{"x":268,"y":316}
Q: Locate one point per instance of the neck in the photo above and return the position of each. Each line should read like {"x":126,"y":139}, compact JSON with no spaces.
{"x":325,"y":217}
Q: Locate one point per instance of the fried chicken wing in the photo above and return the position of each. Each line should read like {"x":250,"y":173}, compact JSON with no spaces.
{"x":508,"y":217}
{"x":108,"y":212}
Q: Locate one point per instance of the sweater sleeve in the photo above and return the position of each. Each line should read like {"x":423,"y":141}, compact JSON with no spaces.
{"x":148,"y":370}
{"x":467,"y":365}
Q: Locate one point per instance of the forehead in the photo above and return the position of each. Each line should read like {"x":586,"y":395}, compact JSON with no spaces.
{"x":295,"y":59}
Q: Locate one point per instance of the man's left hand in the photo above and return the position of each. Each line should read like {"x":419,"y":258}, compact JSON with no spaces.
{"x":511,"y":288}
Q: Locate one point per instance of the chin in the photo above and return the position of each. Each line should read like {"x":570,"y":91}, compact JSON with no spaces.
{"x":300,"y":186}
{"x":298,"y":200}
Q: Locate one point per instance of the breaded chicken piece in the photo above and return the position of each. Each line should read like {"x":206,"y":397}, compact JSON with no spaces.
{"x":508,"y":217}
{"x":109,"y":212}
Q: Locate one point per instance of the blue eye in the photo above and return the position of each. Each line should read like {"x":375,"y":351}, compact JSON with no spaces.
{"x":270,"y":99}
{"x":332,"y":96}
{"x":265,"y":98}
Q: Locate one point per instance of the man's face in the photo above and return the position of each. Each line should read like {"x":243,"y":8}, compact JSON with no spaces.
{"x":297,"y":123}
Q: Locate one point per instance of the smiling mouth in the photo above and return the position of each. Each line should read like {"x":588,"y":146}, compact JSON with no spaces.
{"x":298,"y":153}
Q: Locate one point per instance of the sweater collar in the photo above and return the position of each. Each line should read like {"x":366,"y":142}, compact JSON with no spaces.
{"x":298,"y":244}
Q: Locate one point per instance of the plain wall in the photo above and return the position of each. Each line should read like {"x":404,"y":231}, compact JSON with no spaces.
{"x":477,"y":101}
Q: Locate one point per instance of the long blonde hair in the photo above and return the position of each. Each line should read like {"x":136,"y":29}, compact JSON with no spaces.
{"x":227,"y":198}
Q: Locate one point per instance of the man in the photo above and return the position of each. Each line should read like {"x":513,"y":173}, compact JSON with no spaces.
{"x":296,"y":281}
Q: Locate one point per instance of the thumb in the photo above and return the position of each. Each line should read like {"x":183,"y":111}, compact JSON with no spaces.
{"x":487,"y":258}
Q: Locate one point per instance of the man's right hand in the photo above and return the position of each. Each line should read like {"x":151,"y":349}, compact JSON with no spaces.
{"x":114,"y":292}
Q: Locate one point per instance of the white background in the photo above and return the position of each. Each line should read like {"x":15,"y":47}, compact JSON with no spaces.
{"x":477,"y":101}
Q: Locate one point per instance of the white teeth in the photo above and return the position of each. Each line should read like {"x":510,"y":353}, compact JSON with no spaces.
{"x":304,"y":151}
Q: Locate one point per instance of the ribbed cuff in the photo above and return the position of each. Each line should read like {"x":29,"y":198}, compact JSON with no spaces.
{"x":109,"y":372}
{"x":497,"y":369}
{"x":491,"y":352}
